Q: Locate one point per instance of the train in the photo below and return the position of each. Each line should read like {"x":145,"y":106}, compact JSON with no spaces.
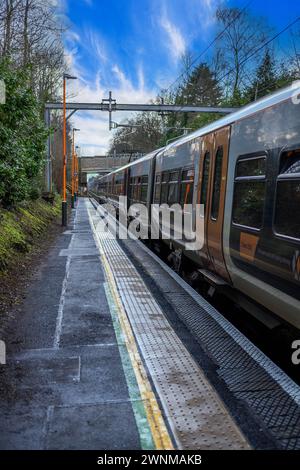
{"x":245,"y":169}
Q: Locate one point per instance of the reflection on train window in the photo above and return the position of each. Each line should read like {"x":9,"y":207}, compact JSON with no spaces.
{"x":287,"y":206}
{"x":187,"y":185}
{"x":206,"y":164}
{"x":249,"y":191}
{"x":144,"y":192}
{"x":251,"y":167}
{"x":174,"y":175}
{"x":287,"y":212}
{"x":217,"y":184}
{"x":173,"y":187}
{"x":164,"y":193}
{"x":290,"y":162}
{"x":187,"y":175}
{"x":248,"y":203}
{"x":157,"y":194}
{"x":173,"y":193}
{"x":144,"y":188}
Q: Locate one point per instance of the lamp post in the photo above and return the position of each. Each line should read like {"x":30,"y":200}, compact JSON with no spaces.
{"x":77,"y":172}
{"x":74,"y":169}
{"x":64,"y":208}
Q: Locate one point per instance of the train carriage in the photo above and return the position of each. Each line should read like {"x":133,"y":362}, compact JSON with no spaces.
{"x":245,"y":169}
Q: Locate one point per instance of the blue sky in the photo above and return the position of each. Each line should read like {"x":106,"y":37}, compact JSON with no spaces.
{"x":133,"y":47}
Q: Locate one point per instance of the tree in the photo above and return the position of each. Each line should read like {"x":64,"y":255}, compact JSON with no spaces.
{"x":197,"y":87}
{"x":31,"y":35}
{"x":22,"y":137}
{"x":240,"y":35}
{"x":142,"y":139}
{"x":31,"y":46}
{"x":269,"y":77}
{"x":265,"y":78}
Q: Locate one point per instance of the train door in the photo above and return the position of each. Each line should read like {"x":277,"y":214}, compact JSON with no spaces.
{"x":204,"y":175}
{"x":214,"y":215}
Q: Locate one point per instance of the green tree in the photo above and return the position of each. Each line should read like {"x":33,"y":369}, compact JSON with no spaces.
{"x":22,"y":138}
{"x":265,"y":78}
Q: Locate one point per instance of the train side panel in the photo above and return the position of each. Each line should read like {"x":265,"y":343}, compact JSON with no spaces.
{"x":262,"y":232}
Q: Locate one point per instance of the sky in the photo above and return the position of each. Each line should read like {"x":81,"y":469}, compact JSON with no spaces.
{"x":134,"y":49}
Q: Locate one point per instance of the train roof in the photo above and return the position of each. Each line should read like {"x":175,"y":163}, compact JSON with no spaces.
{"x":143,"y":159}
{"x":245,"y":111}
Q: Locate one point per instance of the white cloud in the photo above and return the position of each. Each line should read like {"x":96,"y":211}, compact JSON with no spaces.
{"x":176,"y":45}
{"x":94,"y":135}
{"x":206,"y":12}
{"x":96,"y":43}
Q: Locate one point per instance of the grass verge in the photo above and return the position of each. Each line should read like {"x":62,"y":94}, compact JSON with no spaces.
{"x":21,"y":228}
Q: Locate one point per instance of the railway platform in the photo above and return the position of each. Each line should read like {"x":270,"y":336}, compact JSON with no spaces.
{"x":115,"y":351}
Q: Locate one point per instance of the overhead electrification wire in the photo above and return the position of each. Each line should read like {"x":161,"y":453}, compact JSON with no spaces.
{"x":246,"y":58}
{"x":211,"y":43}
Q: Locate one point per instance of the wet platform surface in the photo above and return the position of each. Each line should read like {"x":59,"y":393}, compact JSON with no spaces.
{"x":105,"y":358}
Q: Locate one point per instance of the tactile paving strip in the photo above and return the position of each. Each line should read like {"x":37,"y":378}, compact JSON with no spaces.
{"x":195,"y":412}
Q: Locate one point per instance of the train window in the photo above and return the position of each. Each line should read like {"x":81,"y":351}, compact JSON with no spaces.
{"x":174,"y":175}
{"x":217,"y":184}
{"x":144,"y":188}
{"x":173,"y":187}
{"x":287,"y":207}
{"x":187,"y":185}
{"x":249,"y":192}
{"x":248,"y":203}
{"x":157,"y":178}
{"x":206,"y":165}
{"x":157,"y":194}
{"x":144,"y":192}
{"x":165,"y":177}
{"x":247,"y":167}
{"x":290,"y":162}
{"x":287,"y":214}
{"x":164,"y":193}
{"x":173,"y":193}
{"x":138,"y":188}
{"x":187,"y":175}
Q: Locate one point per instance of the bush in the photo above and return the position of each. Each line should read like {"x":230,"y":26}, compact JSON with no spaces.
{"x":22,"y":138}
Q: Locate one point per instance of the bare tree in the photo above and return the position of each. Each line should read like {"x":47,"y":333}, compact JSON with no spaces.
{"x":143,"y":138}
{"x":242,"y":34}
{"x":31,"y":35}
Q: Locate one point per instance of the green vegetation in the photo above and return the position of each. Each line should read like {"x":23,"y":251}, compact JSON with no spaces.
{"x":22,"y":137}
{"x":31,"y":65}
{"x":21,"y":227}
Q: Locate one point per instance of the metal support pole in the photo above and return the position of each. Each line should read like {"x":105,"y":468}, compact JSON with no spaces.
{"x":77,"y":175}
{"x":73,"y":171}
{"x":64,"y":208}
{"x":48,"y":165}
